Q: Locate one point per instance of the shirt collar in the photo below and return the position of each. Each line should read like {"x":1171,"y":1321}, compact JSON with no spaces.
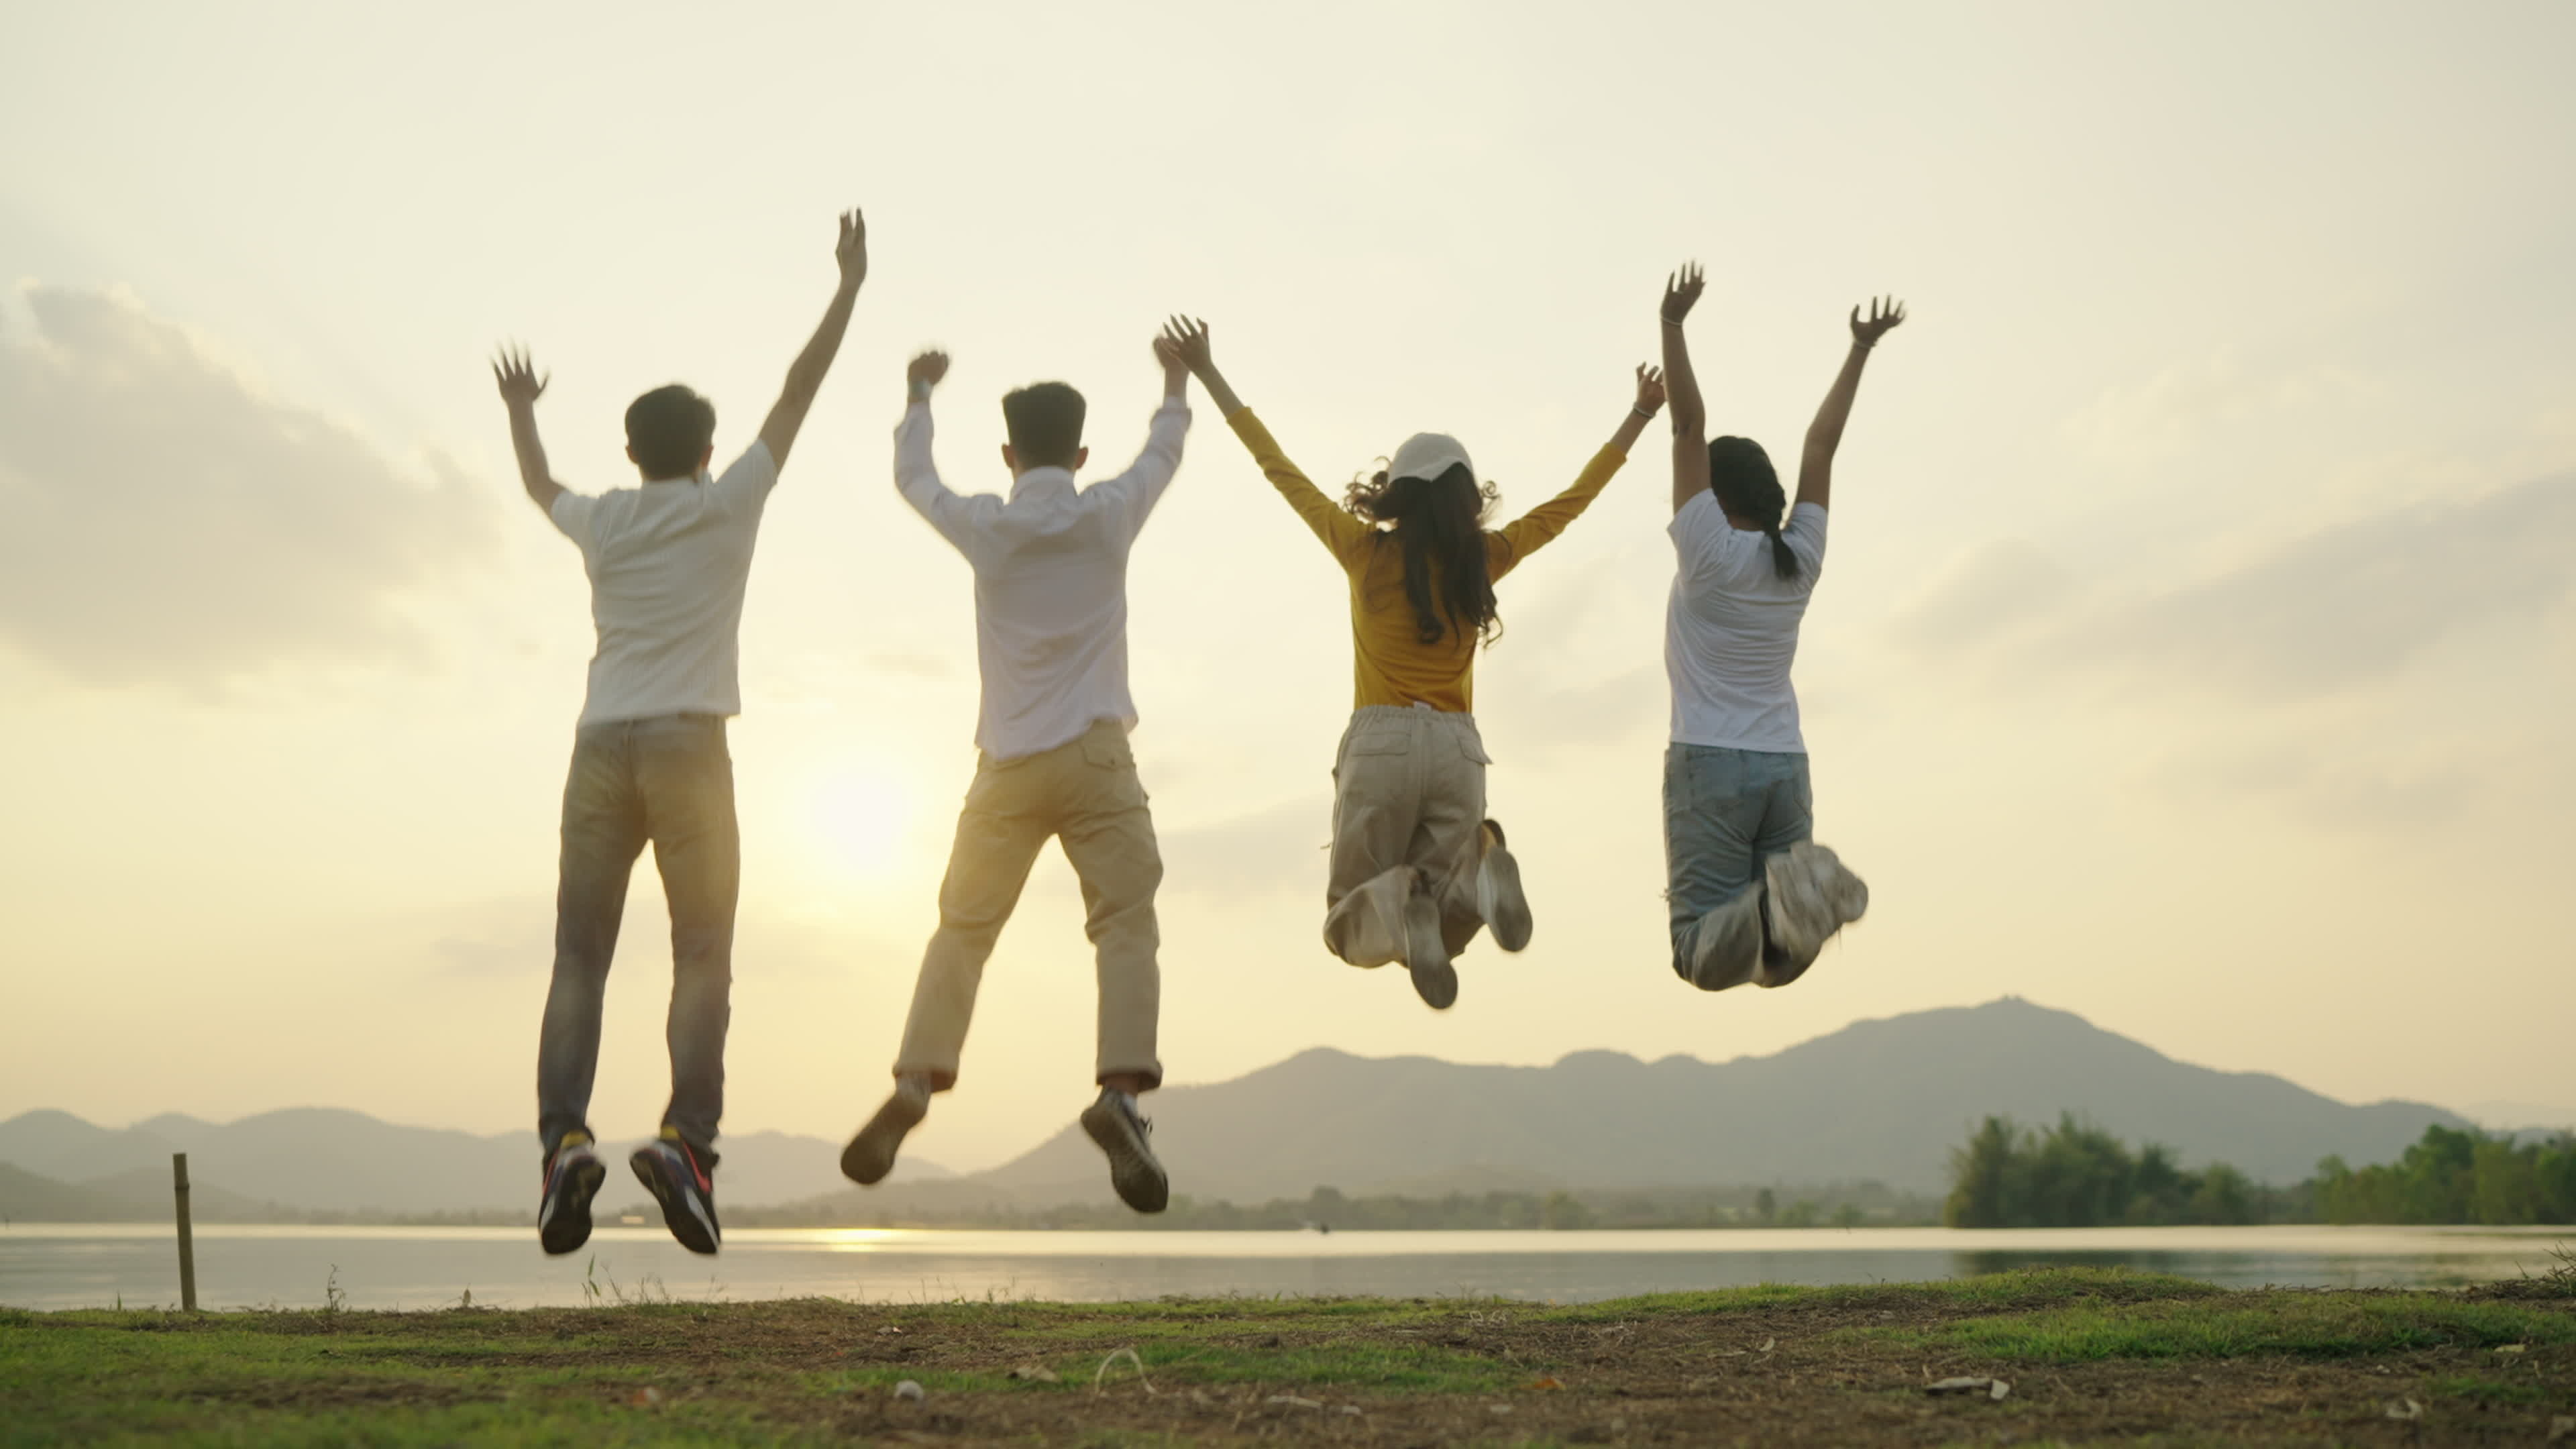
{"x":1039,"y":482}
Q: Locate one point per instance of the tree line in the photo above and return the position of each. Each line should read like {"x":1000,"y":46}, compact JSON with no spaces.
{"x":2075,"y":1175}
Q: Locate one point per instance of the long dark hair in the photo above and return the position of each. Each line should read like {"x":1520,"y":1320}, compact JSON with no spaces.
{"x":1746,"y":484}
{"x":1440,"y":525}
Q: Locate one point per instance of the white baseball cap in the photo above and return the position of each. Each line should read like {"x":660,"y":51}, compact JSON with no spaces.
{"x":1428,"y":455}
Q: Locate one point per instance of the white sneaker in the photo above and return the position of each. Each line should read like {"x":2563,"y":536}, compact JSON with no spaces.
{"x":1426,"y":954}
{"x":1498,"y":891}
{"x":1728,"y":950}
{"x":1808,"y":895}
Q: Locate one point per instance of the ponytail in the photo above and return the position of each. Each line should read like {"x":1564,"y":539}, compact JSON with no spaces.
{"x":1746,"y":485}
{"x":1784,"y":559}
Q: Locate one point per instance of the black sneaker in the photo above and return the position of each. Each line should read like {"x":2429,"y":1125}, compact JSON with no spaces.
{"x":870,"y":1155}
{"x":572,"y":1177}
{"x":671,"y":1170}
{"x":1113,"y":1122}
{"x":1498,"y":891}
{"x":1426,"y":954}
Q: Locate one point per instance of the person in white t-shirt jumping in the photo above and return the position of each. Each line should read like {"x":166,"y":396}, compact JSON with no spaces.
{"x":668,"y":562}
{"x":1050,"y":566}
{"x":1753,"y":897}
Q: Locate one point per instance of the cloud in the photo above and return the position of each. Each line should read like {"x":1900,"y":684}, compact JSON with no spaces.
{"x":2352,"y":604}
{"x":1280,"y":848}
{"x":2343,"y":608}
{"x":1998,"y":589}
{"x":2171,"y":415}
{"x":2349,"y":788}
{"x":169,"y":521}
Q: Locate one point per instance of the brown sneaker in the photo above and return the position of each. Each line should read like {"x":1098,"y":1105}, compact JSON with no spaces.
{"x":1125,"y":1138}
{"x":870,"y":1155}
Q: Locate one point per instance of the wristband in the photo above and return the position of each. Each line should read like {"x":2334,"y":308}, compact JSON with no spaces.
{"x":1641,"y":412}
{"x":918,"y":389}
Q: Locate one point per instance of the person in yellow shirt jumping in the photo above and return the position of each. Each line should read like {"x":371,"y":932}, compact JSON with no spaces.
{"x":1417,"y":867}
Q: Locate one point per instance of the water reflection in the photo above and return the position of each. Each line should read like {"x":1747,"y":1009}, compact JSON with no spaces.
{"x":94,"y":1266}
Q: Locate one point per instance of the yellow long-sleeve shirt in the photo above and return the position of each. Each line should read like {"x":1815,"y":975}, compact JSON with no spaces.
{"x":1390,"y":663}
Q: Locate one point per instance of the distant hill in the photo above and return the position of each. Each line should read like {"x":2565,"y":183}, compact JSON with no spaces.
{"x":141,"y":1195}
{"x":321,"y":1159}
{"x":1879,"y":1100}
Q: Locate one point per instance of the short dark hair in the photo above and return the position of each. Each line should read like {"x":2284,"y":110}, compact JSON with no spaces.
{"x":670,"y":429}
{"x":1045,"y":419}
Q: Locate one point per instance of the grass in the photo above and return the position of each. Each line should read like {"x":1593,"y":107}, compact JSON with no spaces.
{"x":2094,"y":1356}
{"x":2307,"y":1325}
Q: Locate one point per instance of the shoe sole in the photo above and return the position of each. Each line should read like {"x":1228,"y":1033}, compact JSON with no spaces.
{"x":570,"y":1227}
{"x":1139,"y":1179}
{"x":1816,"y":897}
{"x":1426,"y":955}
{"x":870,"y":1155}
{"x":1506,"y":909}
{"x":695,"y":1233}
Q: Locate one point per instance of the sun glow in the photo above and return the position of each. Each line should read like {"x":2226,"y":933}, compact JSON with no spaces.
{"x":859,"y":816}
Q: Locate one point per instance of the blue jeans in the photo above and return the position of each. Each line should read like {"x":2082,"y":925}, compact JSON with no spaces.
{"x":1724,"y":812}
{"x":668,"y":780}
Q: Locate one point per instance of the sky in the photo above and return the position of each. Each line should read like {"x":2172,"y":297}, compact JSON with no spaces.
{"x":2194,"y":651}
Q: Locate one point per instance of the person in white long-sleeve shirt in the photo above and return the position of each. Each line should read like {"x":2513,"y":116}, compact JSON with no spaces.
{"x":1050,"y":562}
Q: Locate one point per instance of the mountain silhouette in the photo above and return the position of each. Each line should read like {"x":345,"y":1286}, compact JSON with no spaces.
{"x":1878,"y":1100}
{"x":328,"y":1159}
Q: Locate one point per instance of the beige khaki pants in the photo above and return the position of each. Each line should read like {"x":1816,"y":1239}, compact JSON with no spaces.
{"x":1086,"y":794}
{"x":1408,"y":803}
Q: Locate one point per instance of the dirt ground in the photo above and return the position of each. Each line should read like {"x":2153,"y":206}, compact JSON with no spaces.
{"x":2088,"y":1357}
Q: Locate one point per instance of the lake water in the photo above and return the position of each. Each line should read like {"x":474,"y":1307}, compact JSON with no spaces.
{"x":97,"y":1265}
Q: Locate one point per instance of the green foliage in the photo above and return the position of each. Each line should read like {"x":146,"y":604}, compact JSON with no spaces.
{"x":2306,"y":1325}
{"x":2456,"y":1177}
{"x":2015,"y":1289}
{"x":2074,"y":1175}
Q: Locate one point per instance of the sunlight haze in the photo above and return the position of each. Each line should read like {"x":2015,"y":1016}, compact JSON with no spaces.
{"x":2195,"y":654}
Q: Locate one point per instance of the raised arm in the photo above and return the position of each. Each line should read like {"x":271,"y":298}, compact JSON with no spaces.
{"x":1526,"y":534}
{"x":1690,"y":415}
{"x":916,"y":474}
{"x":520,"y":389}
{"x":1135,"y":492}
{"x":1825,"y":434}
{"x":1343,"y":534}
{"x":805,"y":375}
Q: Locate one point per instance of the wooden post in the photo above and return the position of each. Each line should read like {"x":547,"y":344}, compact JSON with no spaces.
{"x":187,"y":1237}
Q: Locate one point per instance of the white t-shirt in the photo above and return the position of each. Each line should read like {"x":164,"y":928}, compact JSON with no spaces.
{"x":1731,"y":630}
{"x":668,"y":562}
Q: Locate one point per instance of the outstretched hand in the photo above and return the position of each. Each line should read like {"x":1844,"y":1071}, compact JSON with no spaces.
{"x":518,"y":379}
{"x":851,"y":251}
{"x":1885,"y":313}
{"x":1650,"y":389}
{"x":1188,"y":339}
{"x":1681,"y":292}
{"x":1176,"y":368}
{"x":927,"y":370}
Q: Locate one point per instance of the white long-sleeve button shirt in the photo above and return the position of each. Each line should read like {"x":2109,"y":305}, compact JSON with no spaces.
{"x":1050,"y":567}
